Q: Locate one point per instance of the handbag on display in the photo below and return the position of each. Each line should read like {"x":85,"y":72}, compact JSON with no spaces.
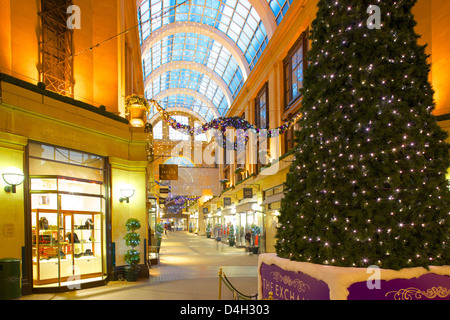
{"x":75,"y":237}
{"x":43,"y":223}
{"x":89,"y":224}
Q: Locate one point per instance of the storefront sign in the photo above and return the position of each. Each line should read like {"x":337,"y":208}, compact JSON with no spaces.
{"x":289,"y":285}
{"x":227,"y":202}
{"x":205,"y":210}
{"x":427,"y":287}
{"x":248,"y":193}
{"x":168,"y":172}
{"x":163,"y":191}
{"x":8,"y":230}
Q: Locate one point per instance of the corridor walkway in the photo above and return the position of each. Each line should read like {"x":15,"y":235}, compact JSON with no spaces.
{"x":187,"y":270}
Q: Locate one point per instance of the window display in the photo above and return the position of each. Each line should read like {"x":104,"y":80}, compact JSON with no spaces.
{"x":66,"y":245}
{"x":68,"y":206}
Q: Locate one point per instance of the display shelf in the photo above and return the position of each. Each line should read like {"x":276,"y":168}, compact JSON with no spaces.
{"x":67,"y":245}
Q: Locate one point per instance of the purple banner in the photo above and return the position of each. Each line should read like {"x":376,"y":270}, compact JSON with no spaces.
{"x":289,"y":285}
{"x":427,"y":287}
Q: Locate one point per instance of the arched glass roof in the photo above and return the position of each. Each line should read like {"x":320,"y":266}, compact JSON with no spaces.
{"x":180,"y":101}
{"x":279,"y":8}
{"x":189,"y":79}
{"x":220,"y":41}
{"x":192,"y":47}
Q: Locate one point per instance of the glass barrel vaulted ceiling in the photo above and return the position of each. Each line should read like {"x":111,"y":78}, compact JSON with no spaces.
{"x":197,"y":54}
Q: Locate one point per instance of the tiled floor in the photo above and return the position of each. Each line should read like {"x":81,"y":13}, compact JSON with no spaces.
{"x":187,"y":270}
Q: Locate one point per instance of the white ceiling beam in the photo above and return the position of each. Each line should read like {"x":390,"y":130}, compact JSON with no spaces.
{"x":189,"y":92}
{"x":156,"y":117}
{"x":178,"y":65}
{"x":265,"y":13}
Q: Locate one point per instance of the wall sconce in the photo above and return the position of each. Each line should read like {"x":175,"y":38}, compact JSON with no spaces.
{"x":12,"y":177}
{"x":126,"y":193}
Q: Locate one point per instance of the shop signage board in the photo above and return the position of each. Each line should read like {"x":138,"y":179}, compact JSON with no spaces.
{"x":164,"y":190}
{"x":290,"y":280}
{"x":248,"y":193}
{"x":168,"y":172}
{"x":227,"y":201}
{"x":427,"y":287}
{"x":289,"y":285}
{"x":205,"y":210}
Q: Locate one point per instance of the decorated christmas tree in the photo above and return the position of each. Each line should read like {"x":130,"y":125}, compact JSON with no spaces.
{"x":368,"y":183}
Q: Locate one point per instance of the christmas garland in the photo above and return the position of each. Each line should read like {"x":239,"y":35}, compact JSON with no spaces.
{"x":223,"y":123}
{"x":175,"y":204}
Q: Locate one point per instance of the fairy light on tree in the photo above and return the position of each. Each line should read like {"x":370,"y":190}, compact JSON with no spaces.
{"x":367,"y":186}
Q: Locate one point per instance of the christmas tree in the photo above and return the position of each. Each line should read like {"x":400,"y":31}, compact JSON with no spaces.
{"x":368,"y":182}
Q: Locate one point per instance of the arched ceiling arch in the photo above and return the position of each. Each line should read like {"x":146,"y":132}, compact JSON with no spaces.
{"x":191,"y":93}
{"x":157,"y":117}
{"x":195,"y":48}
{"x":198,"y":28}
{"x":189,"y":79}
{"x":191,"y":66}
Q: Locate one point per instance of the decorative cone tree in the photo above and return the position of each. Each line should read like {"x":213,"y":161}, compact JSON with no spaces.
{"x":368,"y":185}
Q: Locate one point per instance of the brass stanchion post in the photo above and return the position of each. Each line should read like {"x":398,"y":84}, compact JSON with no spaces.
{"x":220,"y":283}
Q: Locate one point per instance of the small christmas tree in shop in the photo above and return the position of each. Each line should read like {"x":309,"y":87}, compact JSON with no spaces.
{"x":368,"y":184}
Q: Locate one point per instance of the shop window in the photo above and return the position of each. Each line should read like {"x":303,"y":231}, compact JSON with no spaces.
{"x":68,"y":209}
{"x":262,"y":122}
{"x":294,"y":67}
{"x":289,"y":138}
{"x":158,"y":131}
{"x":262,"y":108}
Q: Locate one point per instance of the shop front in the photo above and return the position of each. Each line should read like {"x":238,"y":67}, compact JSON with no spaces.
{"x":272,"y":204}
{"x":68,"y":216}
{"x":229,"y":222}
{"x":193,"y":222}
{"x":249,"y":218}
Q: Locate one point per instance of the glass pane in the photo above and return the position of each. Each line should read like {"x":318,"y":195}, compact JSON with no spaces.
{"x":80,"y":203}
{"x":51,"y":168}
{"x":43,"y":184}
{"x":44,"y":201}
{"x":79,"y":187}
{"x":158,"y":130}
{"x":64,"y":155}
{"x":45,"y":247}
{"x":262,"y":117}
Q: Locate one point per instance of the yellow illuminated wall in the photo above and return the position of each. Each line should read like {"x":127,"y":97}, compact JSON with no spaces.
{"x":132,"y":173}
{"x":12,"y":237}
{"x":104,"y":75}
{"x":432,"y":18}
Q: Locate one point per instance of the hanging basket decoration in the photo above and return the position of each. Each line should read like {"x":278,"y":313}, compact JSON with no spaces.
{"x":136,"y":108}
